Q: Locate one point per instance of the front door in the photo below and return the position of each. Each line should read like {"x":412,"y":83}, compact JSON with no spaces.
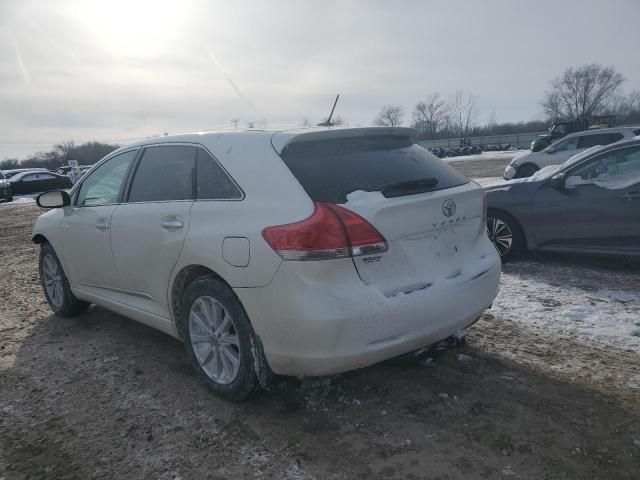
{"x":598,"y":207}
{"x":87,"y":226}
{"x":149,"y":228}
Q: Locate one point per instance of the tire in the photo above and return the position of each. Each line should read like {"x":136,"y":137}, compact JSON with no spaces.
{"x":55,"y":285}
{"x":505,"y":234}
{"x":526,"y":171}
{"x":10,"y":199}
{"x":218,"y":338}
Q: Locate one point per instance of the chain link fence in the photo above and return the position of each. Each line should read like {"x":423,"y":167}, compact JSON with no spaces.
{"x":518,"y":140}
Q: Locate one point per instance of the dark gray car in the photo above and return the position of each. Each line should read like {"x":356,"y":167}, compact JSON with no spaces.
{"x":589,"y":204}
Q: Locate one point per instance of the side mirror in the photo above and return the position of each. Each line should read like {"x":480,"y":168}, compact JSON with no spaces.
{"x":549,"y":150}
{"x":53,"y":199}
{"x":557,"y":181}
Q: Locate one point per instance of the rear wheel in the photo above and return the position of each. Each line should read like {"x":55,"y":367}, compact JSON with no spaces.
{"x":56,"y":285}
{"x":505,"y":234}
{"x":219,"y":339}
{"x":526,"y":171}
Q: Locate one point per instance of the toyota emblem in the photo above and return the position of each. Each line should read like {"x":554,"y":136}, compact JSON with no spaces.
{"x":449,"y":208}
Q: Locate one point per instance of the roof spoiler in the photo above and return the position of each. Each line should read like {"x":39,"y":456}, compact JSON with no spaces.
{"x":281,"y":139}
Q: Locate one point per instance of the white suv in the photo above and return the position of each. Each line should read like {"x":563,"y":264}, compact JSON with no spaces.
{"x":305,"y":252}
{"x":558,"y":152}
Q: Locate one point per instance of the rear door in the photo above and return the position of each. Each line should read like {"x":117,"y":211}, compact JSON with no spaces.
{"x":430,"y":215}
{"x":149,"y":228}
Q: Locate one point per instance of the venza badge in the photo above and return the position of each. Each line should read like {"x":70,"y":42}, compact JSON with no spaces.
{"x":449,"y":208}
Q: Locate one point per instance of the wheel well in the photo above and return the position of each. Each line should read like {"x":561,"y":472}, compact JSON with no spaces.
{"x":39,"y":239}
{"x":188,"y":274}
{"x":528,"y":164}
{"x":515,"y":221}
{"x":184,"y":277}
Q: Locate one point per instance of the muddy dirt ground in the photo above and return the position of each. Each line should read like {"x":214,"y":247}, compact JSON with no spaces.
{"x":100,"y":396}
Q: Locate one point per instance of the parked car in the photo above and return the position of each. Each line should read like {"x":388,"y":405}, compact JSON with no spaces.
{"x":10,"y":173}
{"x":5,"y":189}
{"x":64,"y":170}
{"x":305,"y":252}
{"x":590,"y":204}
{"x":37,"y":181}
{"x":560,"y":129}
{"x":523,"y":166}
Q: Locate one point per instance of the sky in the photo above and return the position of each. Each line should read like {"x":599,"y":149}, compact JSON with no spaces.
{"x":120,"y":70}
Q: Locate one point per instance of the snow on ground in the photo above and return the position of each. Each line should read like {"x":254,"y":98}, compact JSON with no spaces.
{"x":506,"y":154}
{"x":558,"y":298}
{"x":19,"y":200}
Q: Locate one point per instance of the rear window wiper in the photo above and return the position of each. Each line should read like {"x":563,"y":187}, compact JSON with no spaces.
{"x":409,"y":187}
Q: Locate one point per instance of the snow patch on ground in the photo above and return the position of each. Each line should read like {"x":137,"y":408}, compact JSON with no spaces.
{"x":18,"y":201}
{"x":506,"y":154}
{"x":606,"y":315}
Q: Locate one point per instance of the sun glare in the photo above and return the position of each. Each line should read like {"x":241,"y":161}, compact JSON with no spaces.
{"x":132,"y":27}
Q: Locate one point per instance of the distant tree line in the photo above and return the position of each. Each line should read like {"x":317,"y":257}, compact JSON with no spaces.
{"x":585,"y":91}
{"x":86,"y":154}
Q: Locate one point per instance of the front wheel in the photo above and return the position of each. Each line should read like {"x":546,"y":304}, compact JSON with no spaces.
{"x":56,"y":285}
{"x":505,"y":234}
{"x":219,"y":339}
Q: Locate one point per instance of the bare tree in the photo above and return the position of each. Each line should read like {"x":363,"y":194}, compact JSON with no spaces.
{"x":462,"y":109}
{"x":305,"y":122}
{"x":9,"y":163}
{"x":582,"y":92}
{"x":389,"y":116}
{"x":491,"y":121}
{"x":430,"y":115}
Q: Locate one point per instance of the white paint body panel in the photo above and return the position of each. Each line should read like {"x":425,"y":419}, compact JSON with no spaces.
{"x":313,"y":317}
{"x":549,"y":156}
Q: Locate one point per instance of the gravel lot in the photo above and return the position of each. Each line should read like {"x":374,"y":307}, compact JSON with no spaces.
{"x":100,"y":396}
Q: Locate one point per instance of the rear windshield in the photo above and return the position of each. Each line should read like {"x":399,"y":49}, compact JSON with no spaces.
{"x":331,"y":169}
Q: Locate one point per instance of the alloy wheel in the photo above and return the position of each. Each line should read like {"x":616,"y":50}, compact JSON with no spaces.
{"x":214,"y":339}
{"x":500,"y":235}
{"x":52,"y":279}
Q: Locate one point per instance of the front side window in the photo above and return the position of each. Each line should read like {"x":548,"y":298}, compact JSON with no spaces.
{"x":103,"y":186}
{"x":613,"y":170}
{"x":213,"y":182}
{"x":164,"y":173}
{"x":32,"y":177}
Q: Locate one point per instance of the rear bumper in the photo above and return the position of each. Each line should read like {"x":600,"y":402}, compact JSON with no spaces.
{"x":319,"y":318}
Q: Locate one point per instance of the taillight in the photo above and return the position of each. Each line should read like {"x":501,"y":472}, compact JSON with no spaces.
{"x":484,"y":208}
{"x":330,"y":232}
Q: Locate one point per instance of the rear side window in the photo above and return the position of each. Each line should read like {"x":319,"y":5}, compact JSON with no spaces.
{"x":164,"y":173}
{"x":213,"y":182}
{"x":331,"y":169}
{"x":589,"y":141}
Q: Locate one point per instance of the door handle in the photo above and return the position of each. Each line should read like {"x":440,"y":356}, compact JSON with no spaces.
{"x":102,"y":225}
{"x":173,"y":223}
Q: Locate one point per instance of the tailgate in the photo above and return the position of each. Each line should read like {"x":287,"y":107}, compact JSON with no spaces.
{"x":431,"y":237}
